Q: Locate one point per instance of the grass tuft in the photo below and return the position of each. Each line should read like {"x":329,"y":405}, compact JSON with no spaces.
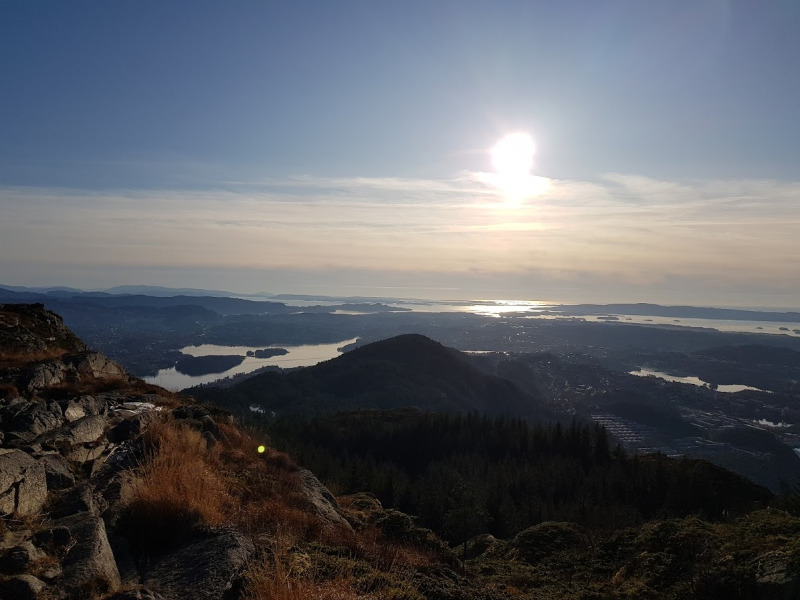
{"x":179,"y":487}
{"x":287,"y":575}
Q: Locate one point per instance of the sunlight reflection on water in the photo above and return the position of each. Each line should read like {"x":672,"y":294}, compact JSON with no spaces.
{"x":296,"y":356}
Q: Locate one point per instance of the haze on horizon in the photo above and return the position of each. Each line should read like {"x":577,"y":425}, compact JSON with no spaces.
{"x":346,"y":148}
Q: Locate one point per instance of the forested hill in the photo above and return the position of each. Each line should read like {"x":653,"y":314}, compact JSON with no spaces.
{"x":403,"y":371}
{"x":469,"y":474}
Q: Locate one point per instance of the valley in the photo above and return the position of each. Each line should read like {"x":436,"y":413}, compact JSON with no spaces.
{"x":491,"y":474}
{"x":574,"y":368}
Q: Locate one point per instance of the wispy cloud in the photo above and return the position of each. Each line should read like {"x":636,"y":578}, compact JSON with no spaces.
{"x":623,"y":228}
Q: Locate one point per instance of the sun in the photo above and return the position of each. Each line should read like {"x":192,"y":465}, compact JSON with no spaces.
{"x":513,"y":155}
{"x":513,"y":161}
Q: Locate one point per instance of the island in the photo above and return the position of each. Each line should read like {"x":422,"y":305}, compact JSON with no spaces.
{"x":206,"y":365}
{"x":267,"y":352}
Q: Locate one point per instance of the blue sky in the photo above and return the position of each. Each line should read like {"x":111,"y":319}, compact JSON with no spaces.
{"x":344,"y":147}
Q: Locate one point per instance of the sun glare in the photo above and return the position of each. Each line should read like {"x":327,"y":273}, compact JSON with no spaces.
{"x":513,"y":160}
{"x":513,"y":155}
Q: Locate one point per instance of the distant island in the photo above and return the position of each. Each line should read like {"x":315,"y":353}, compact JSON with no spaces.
{"x":267,"y":352}
{"x":206,"y":365}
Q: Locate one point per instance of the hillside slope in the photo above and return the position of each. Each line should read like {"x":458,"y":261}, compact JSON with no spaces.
{"x":112,"y":489}
{"x":404,"y":371}
{"x":115,"y":489}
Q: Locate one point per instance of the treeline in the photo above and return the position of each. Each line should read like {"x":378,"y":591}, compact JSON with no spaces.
{"x":468,"y":474}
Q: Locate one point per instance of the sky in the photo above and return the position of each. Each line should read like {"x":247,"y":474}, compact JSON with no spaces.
{"x":346,"y":148}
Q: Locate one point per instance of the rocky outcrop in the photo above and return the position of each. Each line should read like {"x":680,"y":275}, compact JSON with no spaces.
{"x":37,"y":353}
{"x":57,"y":449}
{"x":71,"y":440}
{"x":28,"y":330}
{"x":207,"y":568}
{"x":24,"y":420}
{"x":89,"y":563}
{"x":320,"y":501}
{"x":72,"y":369}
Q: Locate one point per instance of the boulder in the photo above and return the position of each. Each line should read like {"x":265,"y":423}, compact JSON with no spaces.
{"x":74,"y":411}
{"x":76,"y":408}
{"x":87,"y":429}
{"x":28,"y":420}
{"x":84,"y":430}
{"x":321,"y":501}
{"x":57,"y":472}
{"x":85,"y":453}
{"x":131,"y":426}
{"x":96,"y":365}
{"x":115,"y":494}
{"x":89,"y":564}
{"x":209,"y":568}
{"x":23,"y":483}
{"x":50,"y":572}
{"x":46,"y":375}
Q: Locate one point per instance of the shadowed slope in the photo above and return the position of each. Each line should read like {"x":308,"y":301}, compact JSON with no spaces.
{"x":407,"y":370}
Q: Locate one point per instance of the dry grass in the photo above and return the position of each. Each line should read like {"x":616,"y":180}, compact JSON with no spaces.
{"x":183,"y":484}
{"x":88,"y":385}
{"x":287,"y":575}
{"x":242,"y":446}
{"x":266,"y":487}
{"x":179,"y":487}
{"x":14,"y":357}
{"x":166,"y":398}
{"x":270,"y":502}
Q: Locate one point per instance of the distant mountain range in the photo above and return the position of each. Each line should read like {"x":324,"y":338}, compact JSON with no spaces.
{"x":221,"y":304}
{"x":134,"y":292}
{"x":150,"y":290}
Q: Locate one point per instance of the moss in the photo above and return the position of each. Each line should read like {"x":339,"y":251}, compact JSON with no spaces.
{"x":542,"y":541}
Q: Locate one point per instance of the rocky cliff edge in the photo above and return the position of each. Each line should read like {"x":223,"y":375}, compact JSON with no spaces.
{"x":113,"y":488}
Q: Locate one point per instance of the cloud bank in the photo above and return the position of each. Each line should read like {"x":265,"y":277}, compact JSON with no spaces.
{"x":636,"y":235}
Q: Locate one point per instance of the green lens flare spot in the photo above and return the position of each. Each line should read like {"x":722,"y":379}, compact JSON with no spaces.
{"x":261,"y":449}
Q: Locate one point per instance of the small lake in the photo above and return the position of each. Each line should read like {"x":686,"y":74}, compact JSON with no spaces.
{"x":296,"y":356}
{"x":729,"y":389}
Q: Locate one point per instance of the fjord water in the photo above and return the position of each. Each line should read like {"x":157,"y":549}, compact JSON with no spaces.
{"x":727,"y":388}
{"x":296,"y":356}
{"x":550,"y":310}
